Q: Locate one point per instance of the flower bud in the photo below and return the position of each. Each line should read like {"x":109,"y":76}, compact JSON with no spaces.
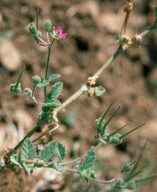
{"x":131,"y":185}
{"x":27,"y":92}
{"x":47,"y":25}
{"x":36,"y":79}
{"x":15,"y":88}
{"x":127,"y":167}
{"x":33,"y":29}
{"x":92,"y":174}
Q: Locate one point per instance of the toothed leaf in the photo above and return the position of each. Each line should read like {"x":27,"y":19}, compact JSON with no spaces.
{"x":51,"y":150}
{"x":46,"y":81}
{"x":55,"y":91}
{"x":88,"y":161}
{"x":28,"y":150}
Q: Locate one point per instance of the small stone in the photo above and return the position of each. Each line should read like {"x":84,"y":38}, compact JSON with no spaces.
{"x":9,"y":56}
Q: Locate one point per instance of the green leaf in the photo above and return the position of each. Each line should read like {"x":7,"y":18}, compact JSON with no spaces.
{"x":60,"y":151}
{"x":48,"y":152}
{"x":16,"y":159}
{"x":46,"y":81}
{"x":52,"y":77}
{"x":51,"y":150}
{"x":88,"y":161}
{"x":28,"y":150}
{"x":55,"y":91}
{"x":53,"y":103}
{"x":101,"y":90}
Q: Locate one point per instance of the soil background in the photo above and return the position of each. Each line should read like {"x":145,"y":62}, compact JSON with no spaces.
{"x":131,"y":83}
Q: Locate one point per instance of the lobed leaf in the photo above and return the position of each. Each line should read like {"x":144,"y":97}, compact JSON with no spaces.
{"x":55,"y":91}
{"x":28,"y":150}
{"x":88,"y":161}
{"x":51,"y":150}
{"x":46,"y":81}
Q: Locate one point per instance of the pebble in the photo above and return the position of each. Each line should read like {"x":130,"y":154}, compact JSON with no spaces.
{"x":9,"y":55}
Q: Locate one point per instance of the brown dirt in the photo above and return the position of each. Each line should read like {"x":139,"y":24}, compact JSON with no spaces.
{"x":91,"y":26}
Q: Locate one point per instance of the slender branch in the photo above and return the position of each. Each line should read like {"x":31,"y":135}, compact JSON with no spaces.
{"x":29,"y":134}
{"x":72,"y":98}
{"x":81,"y":91}
{"x":90,"y":178}
{"x":109,"y":61}
{"x":47,"y":69}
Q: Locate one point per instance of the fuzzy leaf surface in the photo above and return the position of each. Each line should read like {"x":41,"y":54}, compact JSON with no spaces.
{"x":55,"y":91}
{"x":53,"y":103}
{"x":46,"y":81}
{"x":28,"y":150}
{"x":88,"y":161}
{"x":51,"y":150}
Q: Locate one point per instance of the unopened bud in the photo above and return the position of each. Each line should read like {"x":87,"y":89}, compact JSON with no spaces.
{"x":36,"y":79}
{"x":47,"y":25}
{"x":15,"y":88}
{"x":127,"y":167}
{"x":27,"y":92}
{"x":131,"y":185}
{"x":33,"y":29}
{"x":92,"y":174}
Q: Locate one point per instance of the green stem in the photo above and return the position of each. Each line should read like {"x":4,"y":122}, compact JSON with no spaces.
{"x":71,"y":99}
{"x":37,"y":15}
{"x":33,"y":91}
{"x":90,"y":178}
{"x":47,"y":69}
{"x":109,"y":61}
{"x":20,"y":76}
{"x":29,"y":134}
{"x":99,"y":181}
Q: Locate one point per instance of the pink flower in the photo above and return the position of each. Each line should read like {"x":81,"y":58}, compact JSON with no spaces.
{"x":60,"y":34}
